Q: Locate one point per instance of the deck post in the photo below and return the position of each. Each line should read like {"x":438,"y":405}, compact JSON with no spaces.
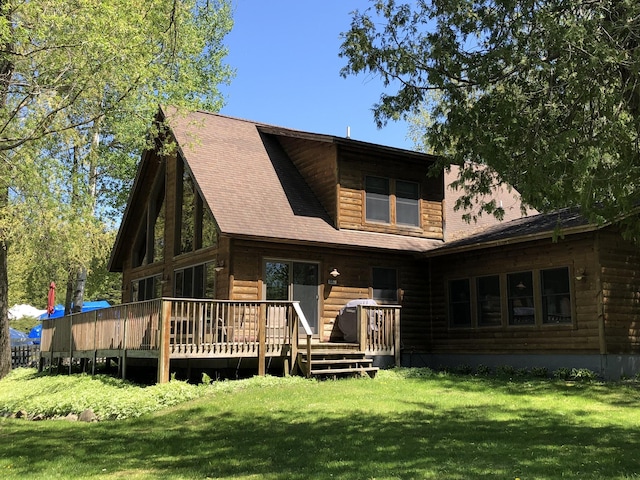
{"x":122,"y":363}
{"x":396,"y":335}
{"x":70,"y":342}
{"x":362,"y":328}
{"x":262,"y":340}
{"x":163,"y":348}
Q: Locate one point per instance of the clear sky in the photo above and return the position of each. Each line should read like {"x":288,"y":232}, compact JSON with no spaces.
{"x":285,"y":53}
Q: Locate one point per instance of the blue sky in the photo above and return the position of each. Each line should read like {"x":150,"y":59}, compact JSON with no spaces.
{"x":285,"y":53}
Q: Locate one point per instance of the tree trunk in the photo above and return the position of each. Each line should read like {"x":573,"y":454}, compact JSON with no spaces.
{"x":6,"y":74}
{"x":78,"y":293}
{"x":5,"y":340}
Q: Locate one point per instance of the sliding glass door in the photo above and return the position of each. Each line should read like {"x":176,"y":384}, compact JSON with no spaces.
{"x":289,"y":280}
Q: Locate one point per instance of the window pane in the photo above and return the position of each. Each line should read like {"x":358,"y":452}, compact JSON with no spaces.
{"x":198,"y":281}
{"x":489,"y":304}
{"x":460,"y":303}
{"x":209,"y":232}
{"x":187,"y":225}
{"x":521,"y":306}
{"x":210,"y":282}
{"x":158,"y":228}
{"x":407,"y":210}
{"x":277,"y":280}
{"x":556,"y":296}
{"x":377,"y":199}
{"x":385,"y":285}
{"x":178,"y":281}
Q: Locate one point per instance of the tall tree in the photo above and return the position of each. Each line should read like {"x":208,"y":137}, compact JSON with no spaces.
{"x":79,"y":83}
{"x":544,"y":95}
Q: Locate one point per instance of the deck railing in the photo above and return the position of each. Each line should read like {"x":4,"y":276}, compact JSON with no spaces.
{"x":171,"y":328}
{"x":379,"y":330}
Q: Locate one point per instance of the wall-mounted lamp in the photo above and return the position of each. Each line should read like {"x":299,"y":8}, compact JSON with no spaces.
{"x":334,"y":277}
{"x":219,"y":266}
{"x":521,"y":286}
{"x":580,"y":274}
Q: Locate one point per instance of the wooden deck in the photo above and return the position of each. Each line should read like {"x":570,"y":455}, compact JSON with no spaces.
{"x":170,"y":329}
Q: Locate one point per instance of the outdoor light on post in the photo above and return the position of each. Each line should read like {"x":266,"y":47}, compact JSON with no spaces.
{"x":580,"y":273}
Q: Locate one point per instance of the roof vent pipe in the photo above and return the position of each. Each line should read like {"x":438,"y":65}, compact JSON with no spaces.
{"x":348,"y":131}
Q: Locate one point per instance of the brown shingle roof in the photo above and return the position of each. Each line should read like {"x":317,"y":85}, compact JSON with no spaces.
{"x":254,"y":190}
{"x":561,"y":222}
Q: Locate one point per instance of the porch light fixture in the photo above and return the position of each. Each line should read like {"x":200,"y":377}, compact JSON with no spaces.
{"x":334,"y":273}
{"x":580,"y":274}
{"x":521,"y":286}
{"x":219,"y":266}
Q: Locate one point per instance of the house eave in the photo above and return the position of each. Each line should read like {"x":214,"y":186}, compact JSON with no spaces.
{"x":446,"y":250}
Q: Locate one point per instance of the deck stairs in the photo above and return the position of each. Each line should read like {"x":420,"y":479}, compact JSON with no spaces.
{"x":336,"y":360}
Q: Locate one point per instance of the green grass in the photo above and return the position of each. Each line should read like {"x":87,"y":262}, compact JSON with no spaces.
{"x":405,"y":424}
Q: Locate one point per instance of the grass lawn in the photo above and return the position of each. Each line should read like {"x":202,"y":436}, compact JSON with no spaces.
{"x":404,"y":424}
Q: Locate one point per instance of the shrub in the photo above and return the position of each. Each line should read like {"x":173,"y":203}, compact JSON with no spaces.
{"x":463,"y":370}
{"x":505,"y":371}
{"x":483,"y":370}
{"x":583,"y":374}
{"x":539,"y":372}
{"x":562,"y":373}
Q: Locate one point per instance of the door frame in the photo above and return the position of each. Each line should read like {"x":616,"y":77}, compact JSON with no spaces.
{"x":291,"y":261}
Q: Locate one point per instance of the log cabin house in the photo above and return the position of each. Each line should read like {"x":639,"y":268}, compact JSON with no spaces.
{"x":550,"y":290}
{"x":242,"y":246}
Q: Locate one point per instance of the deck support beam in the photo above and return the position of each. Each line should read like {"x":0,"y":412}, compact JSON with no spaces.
{"x":164,"y":353}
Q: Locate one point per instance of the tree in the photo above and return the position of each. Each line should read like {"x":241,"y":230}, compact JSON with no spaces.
{"x":543,"y":95}
{"x":79,"y":84}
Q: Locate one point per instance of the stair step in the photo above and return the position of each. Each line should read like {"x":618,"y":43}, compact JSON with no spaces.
{"x":337,"y":361}
{"x":332,"y":351}
{"x":333,"y":371}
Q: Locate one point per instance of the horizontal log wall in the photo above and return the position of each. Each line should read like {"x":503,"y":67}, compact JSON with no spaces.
{"x":317,"y":163}
{"x":582,"y":336}
{"x":354,"y":282}
{"x":620,"y":267}
{"x":353,"y":168}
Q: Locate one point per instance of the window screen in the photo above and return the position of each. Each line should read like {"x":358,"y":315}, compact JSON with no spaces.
{"x":377,"y":199}
{"x":407,"y":211}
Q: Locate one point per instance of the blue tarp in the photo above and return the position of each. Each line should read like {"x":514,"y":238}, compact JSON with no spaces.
{"x":36,"y":332}
{"x":86,"y":307}
{"x":17,"y":338}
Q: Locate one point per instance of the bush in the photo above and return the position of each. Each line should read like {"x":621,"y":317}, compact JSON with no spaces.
{"x":583,"y":374}
{"x":483,"y":370}
{"x":505,"y":371}
{"x":539,"y":372}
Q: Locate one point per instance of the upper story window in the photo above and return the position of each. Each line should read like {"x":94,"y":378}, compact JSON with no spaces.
{"x":149,"y":245}
{"x":392,"y":201}
{"x":378,"y":201}
{"x":196,"y":227}
{"x":407,"y":209}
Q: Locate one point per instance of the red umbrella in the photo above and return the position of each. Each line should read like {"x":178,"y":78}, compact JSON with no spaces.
{"x":51,"y":299}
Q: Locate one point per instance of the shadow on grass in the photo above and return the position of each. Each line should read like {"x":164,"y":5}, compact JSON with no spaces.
{"x":205,"y":441}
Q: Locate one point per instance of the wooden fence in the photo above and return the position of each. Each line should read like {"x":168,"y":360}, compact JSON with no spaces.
{"x":25,"y":355}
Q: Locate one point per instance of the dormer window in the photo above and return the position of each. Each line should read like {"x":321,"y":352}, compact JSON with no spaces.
{"x":407,"y":210}
{"x":378,"y":201}
{"x":392,"y":201}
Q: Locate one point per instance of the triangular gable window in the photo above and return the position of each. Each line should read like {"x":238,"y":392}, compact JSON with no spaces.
{"x":196,"y":226}
{"x":149,"y":245}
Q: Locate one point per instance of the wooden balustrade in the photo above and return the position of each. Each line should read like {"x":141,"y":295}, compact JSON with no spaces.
{"x":379,"y":330}
{"x":186,"y":328}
